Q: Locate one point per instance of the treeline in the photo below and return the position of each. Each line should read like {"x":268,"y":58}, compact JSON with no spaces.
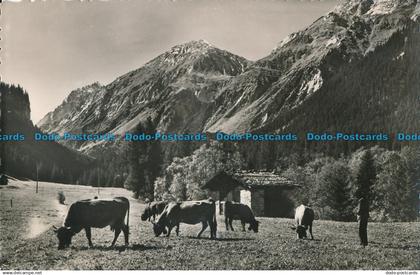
{"x":184,"y":177}
{"x":330,"y":185}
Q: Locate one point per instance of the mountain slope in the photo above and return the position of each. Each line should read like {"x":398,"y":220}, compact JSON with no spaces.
{"x":55,"y":162}
{"x":180,"y":85}
{"x":354,"y":69}
{"x":288,"y":89}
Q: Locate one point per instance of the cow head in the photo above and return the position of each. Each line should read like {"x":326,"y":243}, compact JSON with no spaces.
{"x":300,"y":230}
{"x":146,"y":214}
{"x":158,"y":229}
{"x":64,"y":235}
{"x":254,"y":226}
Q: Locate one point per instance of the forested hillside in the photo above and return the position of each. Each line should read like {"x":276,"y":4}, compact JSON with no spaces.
{"x":54,"y":161}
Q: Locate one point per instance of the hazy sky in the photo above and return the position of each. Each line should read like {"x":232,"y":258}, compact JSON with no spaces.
{"x":53,"y":47}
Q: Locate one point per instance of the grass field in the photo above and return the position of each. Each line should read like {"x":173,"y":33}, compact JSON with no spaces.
{"x":28,"y":242}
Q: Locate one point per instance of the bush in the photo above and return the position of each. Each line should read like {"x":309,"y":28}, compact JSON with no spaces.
{"x":61,"y":198}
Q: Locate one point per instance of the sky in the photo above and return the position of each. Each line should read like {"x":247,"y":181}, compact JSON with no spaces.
{"x":55,"y":46}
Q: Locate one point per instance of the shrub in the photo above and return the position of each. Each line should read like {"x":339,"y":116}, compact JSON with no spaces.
{"x":61,"y":198}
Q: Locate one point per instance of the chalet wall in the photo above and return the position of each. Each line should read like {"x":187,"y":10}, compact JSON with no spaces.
{"x":245,"y":197}
{"x":254,"y":199}
{"x":257,"y":202}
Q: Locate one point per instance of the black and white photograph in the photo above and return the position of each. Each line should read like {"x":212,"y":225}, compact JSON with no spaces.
{"x":144,"y":135}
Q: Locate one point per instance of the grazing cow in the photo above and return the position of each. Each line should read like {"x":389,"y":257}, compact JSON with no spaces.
{"x":304,"y":217}
{"x":152,"y":210}
{"x":189,"y":212}
{"x":242,"y":212}
{"x":85,"y":214}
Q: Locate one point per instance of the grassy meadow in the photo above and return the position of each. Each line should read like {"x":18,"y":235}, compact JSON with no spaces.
{"x":28,"y":241}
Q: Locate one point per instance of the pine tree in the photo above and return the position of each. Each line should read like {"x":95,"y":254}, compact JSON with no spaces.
{"x":145,"y":162}
{"x":334,"y":181}
{"x":136,"y":178}
{"x":366,"y":176}
{"x":152,"y":160}
{"x":397,"y":197}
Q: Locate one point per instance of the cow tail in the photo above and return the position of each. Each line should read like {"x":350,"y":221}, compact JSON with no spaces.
{"x":214,"y":219}
{"x":128,"y":213}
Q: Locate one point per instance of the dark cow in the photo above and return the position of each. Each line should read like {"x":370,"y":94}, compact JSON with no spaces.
{"x":85,"y":214}
{"x":304,"y":217}
{"x":189,"y":212}
{"x":242,"y":212}
{"x":152,"y":210}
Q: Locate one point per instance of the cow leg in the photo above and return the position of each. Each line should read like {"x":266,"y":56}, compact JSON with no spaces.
{"x":230,"y":223}
{"x":227,"y":223}
{"x":213,"y":230}
{"x":117,"y":233}
{"x":126,"y":232}
{"x":169,"y":230}
{"x":205,"y":225}
{"x":310,"y":231}
{"x":89,"y":236}
{"x":177,"y":229}
{"x":243,"y":225}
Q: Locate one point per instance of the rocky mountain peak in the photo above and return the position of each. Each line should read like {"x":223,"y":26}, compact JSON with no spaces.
{"x":371,"y":7}
{"x":199,"y":56}
{"x":190,"y":50}
{"x":194,"y":46}
{"x":69,"y":110}
{"x":354,"y":7}
{"x":83,"y":91}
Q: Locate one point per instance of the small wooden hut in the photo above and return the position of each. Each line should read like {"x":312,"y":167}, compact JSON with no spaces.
{"x":267,"y":194}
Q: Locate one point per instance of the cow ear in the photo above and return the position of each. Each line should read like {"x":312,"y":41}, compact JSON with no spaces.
{"x":55,"y":229}
{"x":293,"y":228}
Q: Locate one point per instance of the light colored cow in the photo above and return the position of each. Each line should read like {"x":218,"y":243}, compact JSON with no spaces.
{"x":304,"y":217}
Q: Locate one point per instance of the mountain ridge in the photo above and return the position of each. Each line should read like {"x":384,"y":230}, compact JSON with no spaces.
{"x":198,"y":87}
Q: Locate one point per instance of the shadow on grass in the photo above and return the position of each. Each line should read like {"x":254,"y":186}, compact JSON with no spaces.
{"x":141,"y":247}
{"x":120,"y":248}
{"x":393,"y":246}
{"x":220,"y":239}
{"x":233,"y":239}
{"x":9,"y":187}
{"x":308,"y":240}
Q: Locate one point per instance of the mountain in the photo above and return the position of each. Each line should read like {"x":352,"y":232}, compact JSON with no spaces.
{"x":179,"y":85}
{"x":327,"y":76}
{"x":354,"y":69}
{"x":55,"y":162}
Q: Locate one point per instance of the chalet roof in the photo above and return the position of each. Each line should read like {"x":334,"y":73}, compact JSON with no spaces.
{"x":249,"y":180}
